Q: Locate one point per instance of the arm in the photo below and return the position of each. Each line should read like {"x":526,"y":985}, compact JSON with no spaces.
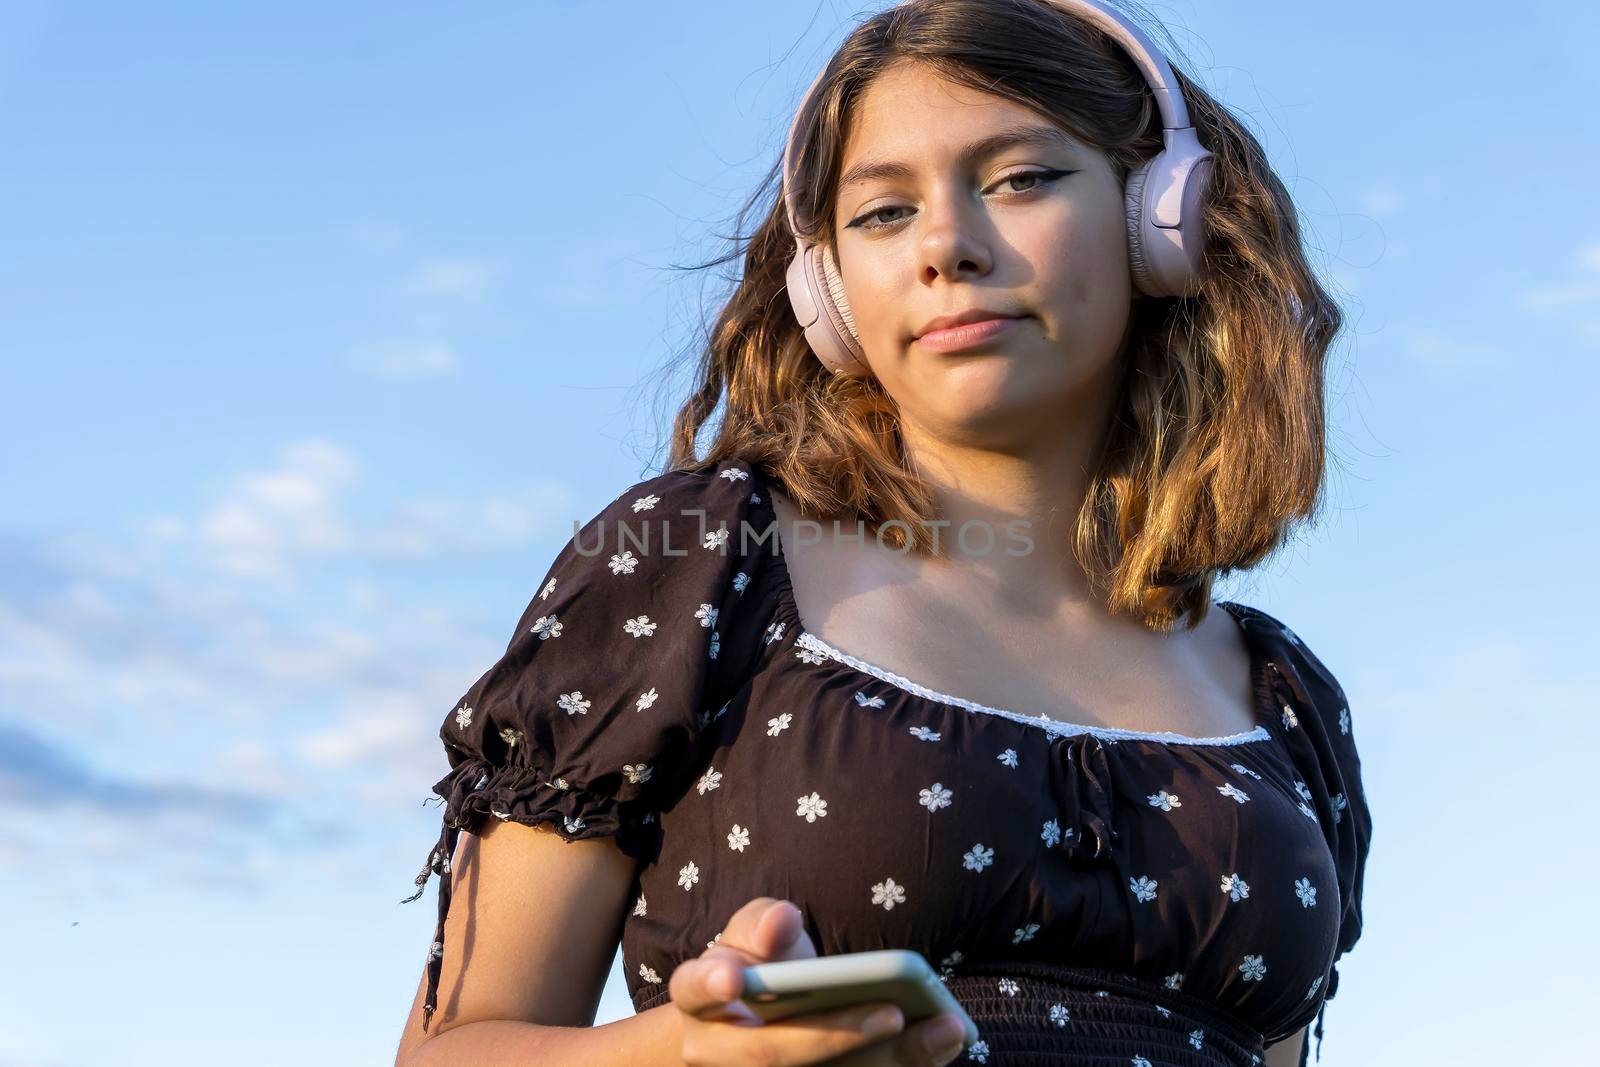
{"x":536,"y":920}
{"x":1286,"y":1053}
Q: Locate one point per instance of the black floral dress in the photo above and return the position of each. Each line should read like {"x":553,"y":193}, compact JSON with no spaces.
{"x":1090,"y":895}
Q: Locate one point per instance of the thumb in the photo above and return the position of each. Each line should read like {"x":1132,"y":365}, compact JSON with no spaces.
{"x":781,"y":933}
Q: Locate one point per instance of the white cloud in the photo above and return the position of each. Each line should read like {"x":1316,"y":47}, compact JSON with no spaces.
{"x":469,"y":278}
{"x":1450,"y":356}
{"x":402,"y":359}
{"x":1382,"y":200}
{"x":1578,"y":293}
{"x":269,"y":704}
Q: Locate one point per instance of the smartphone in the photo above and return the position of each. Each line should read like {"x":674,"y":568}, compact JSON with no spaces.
{"x":900,"y":976}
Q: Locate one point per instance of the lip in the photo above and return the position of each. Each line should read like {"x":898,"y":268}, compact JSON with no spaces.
{"x":962,"y":318}
{"x":969,"y":334}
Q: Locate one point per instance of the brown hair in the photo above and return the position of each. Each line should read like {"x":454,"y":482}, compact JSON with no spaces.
{"x":1216,"y":444}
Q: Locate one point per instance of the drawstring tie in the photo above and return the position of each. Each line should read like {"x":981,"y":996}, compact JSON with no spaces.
{"x":1081,"y":781}
{"x":438,"y":863}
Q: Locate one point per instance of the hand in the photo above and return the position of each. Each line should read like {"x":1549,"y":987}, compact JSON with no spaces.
{"x":719,"y":1030}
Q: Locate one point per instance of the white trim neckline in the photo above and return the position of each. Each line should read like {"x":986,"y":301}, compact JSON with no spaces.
{"x":811,"y":641}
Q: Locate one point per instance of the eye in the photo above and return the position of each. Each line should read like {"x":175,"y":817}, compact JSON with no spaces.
{"x":1042,"y":177}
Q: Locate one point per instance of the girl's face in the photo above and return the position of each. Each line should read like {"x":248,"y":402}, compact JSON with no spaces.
{"x":1031,"y":229}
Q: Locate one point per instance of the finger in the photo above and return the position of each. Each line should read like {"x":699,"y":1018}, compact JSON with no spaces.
{"x":743,"y":929}
{"x":780,"y":934}
{"x":937,"y":1040}
{"x":800,"y":1039}
{"x":708,"y":982}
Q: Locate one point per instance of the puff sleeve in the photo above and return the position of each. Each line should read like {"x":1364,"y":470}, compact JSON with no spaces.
{"x":1321,"y":737}
{"x":589,"y":720}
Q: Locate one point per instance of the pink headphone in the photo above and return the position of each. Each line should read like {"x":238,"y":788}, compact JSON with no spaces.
{"x":1163,"y":198}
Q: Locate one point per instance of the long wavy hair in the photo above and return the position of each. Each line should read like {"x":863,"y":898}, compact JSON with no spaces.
{"x":1215,"y":449}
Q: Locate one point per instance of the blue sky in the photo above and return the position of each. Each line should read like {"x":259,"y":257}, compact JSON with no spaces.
{"x":320,"y":324}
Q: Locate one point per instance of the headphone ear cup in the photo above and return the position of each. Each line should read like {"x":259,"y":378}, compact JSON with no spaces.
{"x":834,"y":283}
{"x":1166,"y":260}
{"x":1133,"y":201}
{"x":836,"y":309}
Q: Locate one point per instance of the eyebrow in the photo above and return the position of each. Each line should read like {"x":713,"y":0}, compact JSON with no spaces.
{"x":869,"y":170}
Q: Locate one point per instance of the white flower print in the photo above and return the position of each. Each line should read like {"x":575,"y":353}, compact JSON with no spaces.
{"x":1051,"y":833}
{"x":716,"y":538}
{"x":807,"y":655}
{"x":1174,"y":980}
{"x":638,"y":773}
{"x":1165,"y":1014}
{"x":511,"y":736}
{"x":573,"y":825}
{"x":1253,"y":969}
{"x":639,"y":906}
{"x":639,"y":627}
{"x":778,"y":725}
{"x":733,"y":474}
{"x":1058,"y":1014}
{"x":1009,"y":757}
{"x":707,"y":615}
{"x":1140,"y":1061}
{"x":1306,"y":892}
{"x":1228,"y":789}
{"x":549,"y":587}
{"x":648,"y":975}
{"x":483,"y":780}
{"x":925,"y":733}
{"x":1143,"y":887}
{"x":1290,"y":720}
{"x":645,"y":503}
{"x":888,"y":894}
{"x":1009,"y":986}
{"x":977,"y":858}
{"x":1164,"y":800}
{"x":934,"y":797}
{"x":1314,"y":986}
{"x":647,"y":700}
{"x":1305,"y":809}
{"x":865,"y":701}
{"x":1303,"y":789}
{"x":1344,"y":720}
{"x":740,"y":580}
{"x":688,"y":874}
{"x":978,"y":1051}
{"x":812,"y":807}
{"x":463,"y":717}
{"x":1024,"y":933}
{"x":1236,"y":887}
{"x":739,"y":838}
{"x":435,"y":951}
{"x":708,"y":781}
{"x":624,"y":562}
{"x":546,"y":627}
{"x":713,"y":942}
{"x":775,"y":631}
{"x":950,"y":961}
{"x":559,"y":783}
{"x":573,"y":703}
{"x":716,"y":645}
{"x":1339,"y":804}
{"x":1197,"y":1038}
{"x":1242,"y":769}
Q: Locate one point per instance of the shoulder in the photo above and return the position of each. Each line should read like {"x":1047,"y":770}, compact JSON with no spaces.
{"x":687,"y":505}
{"x":1302,"y":669}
